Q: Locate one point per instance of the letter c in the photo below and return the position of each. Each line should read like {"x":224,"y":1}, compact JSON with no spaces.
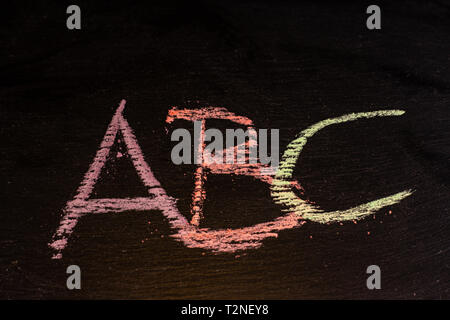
{"x":281,"y":187}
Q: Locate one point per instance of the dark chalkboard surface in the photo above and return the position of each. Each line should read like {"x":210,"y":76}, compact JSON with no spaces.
{"x":284,"y":65}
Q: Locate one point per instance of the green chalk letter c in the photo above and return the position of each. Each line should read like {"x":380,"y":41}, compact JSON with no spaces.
{"x":281,"y":187}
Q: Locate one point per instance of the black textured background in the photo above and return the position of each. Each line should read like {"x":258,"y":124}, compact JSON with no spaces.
{"x":285,"y":65}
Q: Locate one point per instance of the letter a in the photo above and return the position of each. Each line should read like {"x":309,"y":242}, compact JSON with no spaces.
{"x":374,"y":281}
{"x":74,"y":280}
{"x":74,"y":20}
{"x":81,"y":204}
{"x":374,"y":20}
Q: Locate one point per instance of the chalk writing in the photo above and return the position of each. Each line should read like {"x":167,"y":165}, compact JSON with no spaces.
{"x":297,"y":211}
